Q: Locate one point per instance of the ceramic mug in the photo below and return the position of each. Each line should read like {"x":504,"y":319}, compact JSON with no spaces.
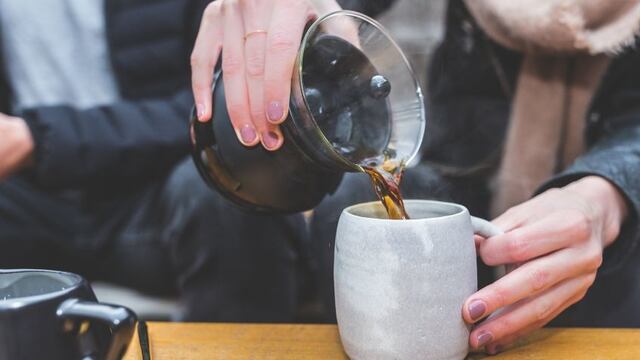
{"x":54,"y":315}
{"x":400,"y":284}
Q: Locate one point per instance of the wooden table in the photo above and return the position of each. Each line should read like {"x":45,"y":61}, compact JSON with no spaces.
{"x":178,"y":341}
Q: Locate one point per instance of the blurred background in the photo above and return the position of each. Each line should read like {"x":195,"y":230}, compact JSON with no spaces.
{"x":418,"y":26}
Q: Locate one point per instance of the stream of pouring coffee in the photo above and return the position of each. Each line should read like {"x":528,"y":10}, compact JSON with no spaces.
{"x":385,"y":179}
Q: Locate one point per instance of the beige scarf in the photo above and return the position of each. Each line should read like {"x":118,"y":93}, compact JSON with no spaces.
{"x":567,"y":46}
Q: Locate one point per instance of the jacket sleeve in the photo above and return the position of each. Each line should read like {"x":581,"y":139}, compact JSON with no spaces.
{"x":615,"y":157}
{"x":368,"y":7}
{"x":121,"y":142}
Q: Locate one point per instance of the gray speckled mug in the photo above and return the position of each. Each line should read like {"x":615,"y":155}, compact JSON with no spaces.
{"x":400,"y":284}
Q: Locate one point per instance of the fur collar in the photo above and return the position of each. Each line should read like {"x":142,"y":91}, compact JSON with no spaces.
{"x":559,"y":26}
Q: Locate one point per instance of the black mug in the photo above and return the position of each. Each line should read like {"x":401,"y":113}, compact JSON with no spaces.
{"x":55,"y":315}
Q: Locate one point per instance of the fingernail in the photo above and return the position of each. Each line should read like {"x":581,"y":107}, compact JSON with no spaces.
{"x":248,"y":134}
{"x":484,"y":337}
{"x":495,"y":350}
{"x":476,"y":309}
{"x":200,"y":111}
{"x":275,"y":112}
{"x":270,"y":140}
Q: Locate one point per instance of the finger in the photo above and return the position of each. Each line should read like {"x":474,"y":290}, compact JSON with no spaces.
{"x":477,"y":240}
{"x":529,"y":279}
{"x":520,"y":215}
{"x":256,"y":19}
{"x":498,"y":346}
{"x":204,"y":58}
{"x":541,"y":308}
{"x":511,"y":219}
{"x":549,"y":234}
{"x":233,"y":70}
{"x":271,"y":138}
{"x":285,"y":32}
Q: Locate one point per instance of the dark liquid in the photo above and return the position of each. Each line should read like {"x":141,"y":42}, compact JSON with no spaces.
{"x":385,"y":179}
{"x":349,"y":101}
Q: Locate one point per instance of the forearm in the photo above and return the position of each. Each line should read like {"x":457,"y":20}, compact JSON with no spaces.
{"x":112,"y":144}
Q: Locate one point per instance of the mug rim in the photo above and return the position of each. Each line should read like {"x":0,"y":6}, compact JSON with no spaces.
{"x":460,"y":209}
{"x":19,"y":302}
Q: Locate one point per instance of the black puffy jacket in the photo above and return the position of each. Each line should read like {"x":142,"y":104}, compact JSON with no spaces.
{"x":122,"y":145}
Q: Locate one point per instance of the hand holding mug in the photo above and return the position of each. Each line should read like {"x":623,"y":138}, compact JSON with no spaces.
{"x":554,"y":242}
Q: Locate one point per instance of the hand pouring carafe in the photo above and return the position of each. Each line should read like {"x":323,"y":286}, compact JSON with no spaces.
{"x":354,"y":98}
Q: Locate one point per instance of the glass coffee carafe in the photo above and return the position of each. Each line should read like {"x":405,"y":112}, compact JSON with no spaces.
{"x":354,"y":102}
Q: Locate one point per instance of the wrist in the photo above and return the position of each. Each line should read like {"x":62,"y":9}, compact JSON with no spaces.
{"x":22,"y":141}
{"x":606,"y":201}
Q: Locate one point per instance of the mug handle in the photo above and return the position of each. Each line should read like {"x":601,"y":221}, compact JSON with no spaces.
{"x":484,"y":228}
{"x":120,"y":320}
